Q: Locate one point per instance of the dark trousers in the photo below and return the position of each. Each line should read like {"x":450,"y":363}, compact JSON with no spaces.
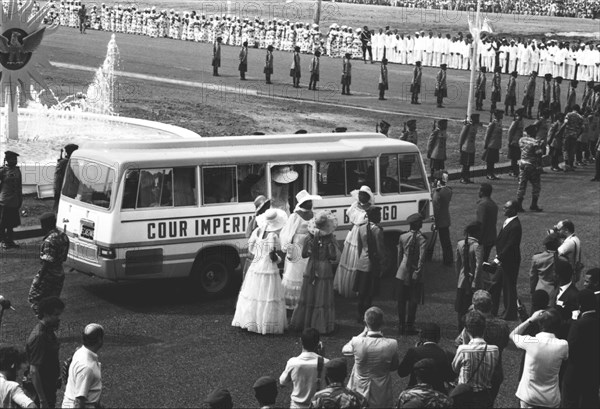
{"x":268,"y":78}
{"x":465,"y":172}
{"x":487,"y":249}
{"x":414,"y":98}
{"x":448,"y":256}
{"x":436,"y":164}
{"x":215,"y":71}
{"x":597,"y":176}
{"x":296,"y":81}
{"x":490,"y":168}
{"x":554,"y":158}
{"x":365,"y":49}
{"x":508,"y":285}
{"x":514,"y":166}
{"x":242,"y":75}
{"x":345,"y":89}
{"x":381,"y":91}
{"x":440,"y":100}
{"x":312,"y":84}
{"x":579,"y":151}
{"x":407,"y":295}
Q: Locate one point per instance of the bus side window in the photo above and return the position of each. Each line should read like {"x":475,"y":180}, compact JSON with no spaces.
{"x":388,"y":174}
{"x":184,"y":191}
{"x":412,"y":178}
{"x":248,"y":178}
{"x":219,"y":185}
{"x":132,"y":178}
{"x":166,"y":187}
{"x":359,"y":173}
{"x":330,"y":176}
{"x":148,"y":194}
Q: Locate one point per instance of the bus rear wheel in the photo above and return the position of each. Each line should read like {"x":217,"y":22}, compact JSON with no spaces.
{"x":212,"y":275}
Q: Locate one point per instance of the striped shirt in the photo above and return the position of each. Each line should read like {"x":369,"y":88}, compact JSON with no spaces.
{"x":467,"y":359}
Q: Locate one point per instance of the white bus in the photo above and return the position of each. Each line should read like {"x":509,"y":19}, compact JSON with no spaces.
{"x":164,"y":209}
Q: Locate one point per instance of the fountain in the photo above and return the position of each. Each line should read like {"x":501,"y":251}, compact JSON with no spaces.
{"x":88,"y":116}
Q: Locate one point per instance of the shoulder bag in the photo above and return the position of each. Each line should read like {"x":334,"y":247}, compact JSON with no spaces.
{"x":462,"y":394}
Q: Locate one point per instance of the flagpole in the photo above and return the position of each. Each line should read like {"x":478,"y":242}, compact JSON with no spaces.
{"x":473,"y":61}
{"x":317,"y":16}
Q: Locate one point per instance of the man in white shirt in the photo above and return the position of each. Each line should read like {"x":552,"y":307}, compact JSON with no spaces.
{"x":428,"y":50}
{"x":13,"y":363}
{"x":571,"y":245}
{"x":302,"y":371}
{"x":544,"y":355}
{"x":84,"y":385}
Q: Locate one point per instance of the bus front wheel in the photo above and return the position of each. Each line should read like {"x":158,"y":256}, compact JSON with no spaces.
{"x":211,"y":275}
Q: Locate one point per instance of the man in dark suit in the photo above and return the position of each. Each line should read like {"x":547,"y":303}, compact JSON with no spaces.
{"x":508,"y":260}
{"x":566,"y":298}
{"x":428,"y":348}
{"x":581,"y":379}
{"x":487,"y":215}
{"x":591,"y":281}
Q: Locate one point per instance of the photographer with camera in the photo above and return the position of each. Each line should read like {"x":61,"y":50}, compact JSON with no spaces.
{"x":306,"y":371}
{"x":570,"y":247}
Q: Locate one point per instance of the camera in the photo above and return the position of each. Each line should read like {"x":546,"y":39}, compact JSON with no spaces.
{"x":554,"y":229}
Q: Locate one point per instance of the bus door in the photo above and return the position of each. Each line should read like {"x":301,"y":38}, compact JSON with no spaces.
{"x":287,"y":179}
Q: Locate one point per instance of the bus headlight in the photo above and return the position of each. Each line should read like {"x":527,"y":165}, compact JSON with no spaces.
{"x":106,"y":252}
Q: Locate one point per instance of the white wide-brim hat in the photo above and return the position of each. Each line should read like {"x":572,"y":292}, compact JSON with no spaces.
{"x":323,"y":223}
{"x":303,"y":196}
{"x":284,"y":174}
{"x":367,"y":190}
{"x":272,"y":220}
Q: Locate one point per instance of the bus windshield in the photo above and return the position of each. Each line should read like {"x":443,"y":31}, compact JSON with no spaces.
{"x":89,"y":182}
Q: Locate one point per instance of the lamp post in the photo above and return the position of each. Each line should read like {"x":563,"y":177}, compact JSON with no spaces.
{"x":475,"y":32}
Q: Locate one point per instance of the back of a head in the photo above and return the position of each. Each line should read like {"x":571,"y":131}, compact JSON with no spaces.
{"x":310,"y":339}
{"x":475,"y":324}
{"x":49,"y":305}
{"x":425,"y":370}
{"x":569,"y":225}
{"x":473,"y":229}
{"x":11,"y":357}
{"x":265,"y":390}
{"x":47,"y":222}
{"x":539,"y":300}
{"x":374,"y":214}
{"x":486,"y":189}
{"x":219,"y":399}
{"x":564,"y":270}
{"x":92,"y":334}
{"x":374,"y":318}
{"x":587,"y":300}
{"x":430,"y":332}
{"x":336,"y":370}
{"x":550,"y":321}
{"x":482,"y":301}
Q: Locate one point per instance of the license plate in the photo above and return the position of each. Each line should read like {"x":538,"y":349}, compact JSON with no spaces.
{"x":87,"y":230}
{"x":83,"y":251}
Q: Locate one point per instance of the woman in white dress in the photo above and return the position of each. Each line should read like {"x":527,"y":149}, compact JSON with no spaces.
{"x":260,"y":306}
{"x":346,"y":270}
{"x":292,"y":238}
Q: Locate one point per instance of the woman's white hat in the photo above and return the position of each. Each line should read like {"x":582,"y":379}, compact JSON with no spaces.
{"x":272,"y":220}
{"x":284,"y":174}
{"x":304,"y":196}
{"x":367,"y":190}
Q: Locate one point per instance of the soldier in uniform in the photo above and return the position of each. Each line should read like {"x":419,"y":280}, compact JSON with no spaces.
{"x":496,"y":87}
{"x":573,"y":130}
{"x":466,"y":146}
{"x":383,"y":79}
{"x":11,"y":199}
{"x":415,"y":86}
{"x":556,"y":140}
{"x":529,"y":96}
{"x":515,"y":131}
{"x":480,"y":89}
{"x":510,"y":100}
{"x":346,"y":74}
{"x":408,"y":135}
{"x":268,"y":70}
{"x":61,"y":168}
{"x":493,"y":143}
{"x":546,"y":96}
{"x":216,"y":61}
{"x":436,"y":145}
{"x":555,"y":101}
{"x":411,"y":259}
{"x":530,"y":167}
{"x":243,"y":67}
{"x":314,"y":71}
{"x":295,"y":68}
{"x":441,"y":89}
{"x":588,"y":96}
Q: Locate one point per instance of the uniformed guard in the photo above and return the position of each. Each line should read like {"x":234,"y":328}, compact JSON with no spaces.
{"x":295,"y":71}
{"x":515,"y":131}
{"x":11,"y":199}
{"x":571,"y":96}
{"x":383,"y":127}
{"x":555,"y":106}
{"x":243,"y":67}
{"x":415,"y":85}
{"x":346,"y":74}
{"x":466,"y":146}
{"x":546,"y":96}
{"x":493,"y":143}
{"x":496,"y":88}
{"x":408,"y":135}
{"x":480,"y":89}
{"x":510,"y":100}
{"x":441,"y":88}
{"x":61,"y":168}
{"x":530,"y":167}
{"x":314,"y":71}
{"x":436,"y":145}
{"x":268,"y":70}
{"x":383,"y":79}
{"x":216,"y":61}
{"x":529,"y":94}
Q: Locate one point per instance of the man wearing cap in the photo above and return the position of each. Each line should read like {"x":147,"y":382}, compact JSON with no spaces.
{"x":466,"y":146}
{"x":265,"y":392}
{"x":314,"y":71}
{"x":346,"y":74}
{"x":487,"y":215}
{"x":365,"y":39}
{"x":295,"y":71}
{"x":375,"y":357}
{"x":441,"y":88}
{"x":336,"y":395}
{"x":556,"y":141}
{"x":436,"y":145}
{"x":383,"y":79}
{"x":493,"y":144}
{"x":480,"y":89}
{"x":571,"y":96}
{"x":542,"y":274}
{"x":415,"y":85}
{"x":54,"y":249}
{"x":428,"y":348}
{"x":423,"y":394}
{"x":11,"y":199}
{"x":268,"y":70}
{"x":546,"y":96}
{"x":60,"y":170}
{"x":530,"y":168}
{"x":216,"y":60}
{"x":510,"y":100}
{"x":383,"y":127}
{"x":219,"y":399}
{"x":440,"y":198}
{"x":574,"y":127}
{"x":408,"y":135}
{"x":411,"y":258}
{"x":243,"y":57}
{"x":84,"y":386}
{"x":529,"y":94}
{"x":555,"y":105}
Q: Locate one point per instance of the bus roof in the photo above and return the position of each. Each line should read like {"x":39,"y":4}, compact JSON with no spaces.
{"x":235,"y":149}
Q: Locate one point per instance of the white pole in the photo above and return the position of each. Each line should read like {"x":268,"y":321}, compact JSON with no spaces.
{"x":474,"y":61}
{"x":317,"y":16}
